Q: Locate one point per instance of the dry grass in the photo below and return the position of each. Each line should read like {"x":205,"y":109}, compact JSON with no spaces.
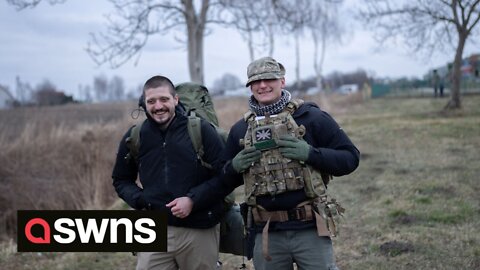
{"x":57,"y":158}
{"x":412,"y":203}
{"x":230,"y":110}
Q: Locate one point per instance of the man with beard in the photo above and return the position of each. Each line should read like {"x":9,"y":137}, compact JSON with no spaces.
{"x":170,"y":175}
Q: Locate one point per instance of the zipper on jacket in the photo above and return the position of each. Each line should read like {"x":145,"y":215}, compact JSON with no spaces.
{"x":164,"y":145}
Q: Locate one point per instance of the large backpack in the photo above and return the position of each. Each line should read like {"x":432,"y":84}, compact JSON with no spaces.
{"x":197,"y":104}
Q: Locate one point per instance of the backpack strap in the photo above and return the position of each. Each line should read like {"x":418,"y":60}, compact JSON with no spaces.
{"x":293,"y":105}
{"x":133,"y":143}
{"x":249,"y":115}
{"x":194,"y":127}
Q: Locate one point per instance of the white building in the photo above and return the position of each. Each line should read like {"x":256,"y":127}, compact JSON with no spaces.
{"x":348,"y":89}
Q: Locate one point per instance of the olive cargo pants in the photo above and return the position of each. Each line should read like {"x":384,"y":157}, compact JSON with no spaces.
{"x":304,"y":247}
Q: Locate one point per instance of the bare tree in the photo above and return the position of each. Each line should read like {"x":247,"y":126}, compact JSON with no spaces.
{"x":261,"y":22}
{"x":298,"y":20}
{"x":225,"y":83}
{"x":46,"y":94}
{"x":135,"y":21}
{"x":286,"y":17}
{"x":317,"y":16}
{"x":116,"y":88}
{"x":22,"y":4}
{"x":298,"y":16}
{"x":427,"y":25}
{"x":324,"y":30}
{"x":100,"y":86}
{"x":297,"y":35}
{"x":247,"y":23}
{"x":85,"y":93}
{"x":23,"y":91}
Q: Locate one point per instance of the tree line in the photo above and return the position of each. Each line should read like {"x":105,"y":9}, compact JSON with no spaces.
{"x":422,"y":25}
{"x":46,"y":93}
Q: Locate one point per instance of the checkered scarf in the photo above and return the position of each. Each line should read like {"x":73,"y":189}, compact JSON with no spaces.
{"x":271,"y":109}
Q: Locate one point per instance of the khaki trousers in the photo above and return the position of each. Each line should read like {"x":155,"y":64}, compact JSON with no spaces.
{"x":187,"y":249}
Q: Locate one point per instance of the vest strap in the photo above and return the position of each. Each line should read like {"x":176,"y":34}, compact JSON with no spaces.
{"x":293,"y":105}
{"x":265,"y":242}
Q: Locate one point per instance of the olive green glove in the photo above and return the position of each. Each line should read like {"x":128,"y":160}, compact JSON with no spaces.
{"x":293,"y":148}
{"x":245,"y":158}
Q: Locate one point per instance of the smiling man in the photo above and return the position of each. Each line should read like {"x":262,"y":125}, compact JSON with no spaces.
{"x":285,"y":151}
{"x":169,"y":170}
{"x":160,"y":104}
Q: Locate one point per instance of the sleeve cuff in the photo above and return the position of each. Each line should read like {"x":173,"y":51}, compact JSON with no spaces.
{"x":228,"y":168}
{"x":194,"y":198}
{"x":313,"y":156}
{"x":141,"y":203}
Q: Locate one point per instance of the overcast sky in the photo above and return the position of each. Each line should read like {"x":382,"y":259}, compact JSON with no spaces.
{"x":48,"y":42}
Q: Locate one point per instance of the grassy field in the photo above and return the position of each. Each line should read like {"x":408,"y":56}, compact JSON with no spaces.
{"x":412,"y":204}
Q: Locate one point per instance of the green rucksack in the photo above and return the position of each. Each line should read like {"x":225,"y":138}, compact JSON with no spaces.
{"x":197,"y":103}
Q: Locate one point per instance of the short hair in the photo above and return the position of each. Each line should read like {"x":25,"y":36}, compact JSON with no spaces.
{"x":158,"y":81}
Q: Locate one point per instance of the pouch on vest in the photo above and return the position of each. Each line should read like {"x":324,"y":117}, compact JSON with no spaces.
{"x":328,"y":213}
{"x":274,"y":174}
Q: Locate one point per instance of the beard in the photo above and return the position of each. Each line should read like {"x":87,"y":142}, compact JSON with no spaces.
{"x":162,"y":117}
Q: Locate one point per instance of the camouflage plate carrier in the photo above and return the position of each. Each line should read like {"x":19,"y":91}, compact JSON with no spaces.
{"x":274,"y":174}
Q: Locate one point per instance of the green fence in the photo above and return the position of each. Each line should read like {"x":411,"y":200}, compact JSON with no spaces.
{"x":383,"y":90}
{"x":380,"y":90}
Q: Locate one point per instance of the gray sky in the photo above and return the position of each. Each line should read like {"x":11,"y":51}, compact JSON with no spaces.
{"x":48,"y":42}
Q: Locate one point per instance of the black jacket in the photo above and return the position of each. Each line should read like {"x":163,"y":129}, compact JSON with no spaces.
{"x":168,"y":168}
{"x":332,"y":152}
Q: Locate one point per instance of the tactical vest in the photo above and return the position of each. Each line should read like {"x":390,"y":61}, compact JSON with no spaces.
{"x":274,"y":174}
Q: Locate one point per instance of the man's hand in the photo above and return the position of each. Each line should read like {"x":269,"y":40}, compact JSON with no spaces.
{"x":293,"y":148}
{"x":245,"y":158}
{"x":181,"y":207}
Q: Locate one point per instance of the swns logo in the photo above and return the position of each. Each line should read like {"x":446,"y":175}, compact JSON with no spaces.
{"x":91,"y":231}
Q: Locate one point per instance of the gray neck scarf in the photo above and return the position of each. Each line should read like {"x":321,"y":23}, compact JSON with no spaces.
{"x":274,"y":108}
